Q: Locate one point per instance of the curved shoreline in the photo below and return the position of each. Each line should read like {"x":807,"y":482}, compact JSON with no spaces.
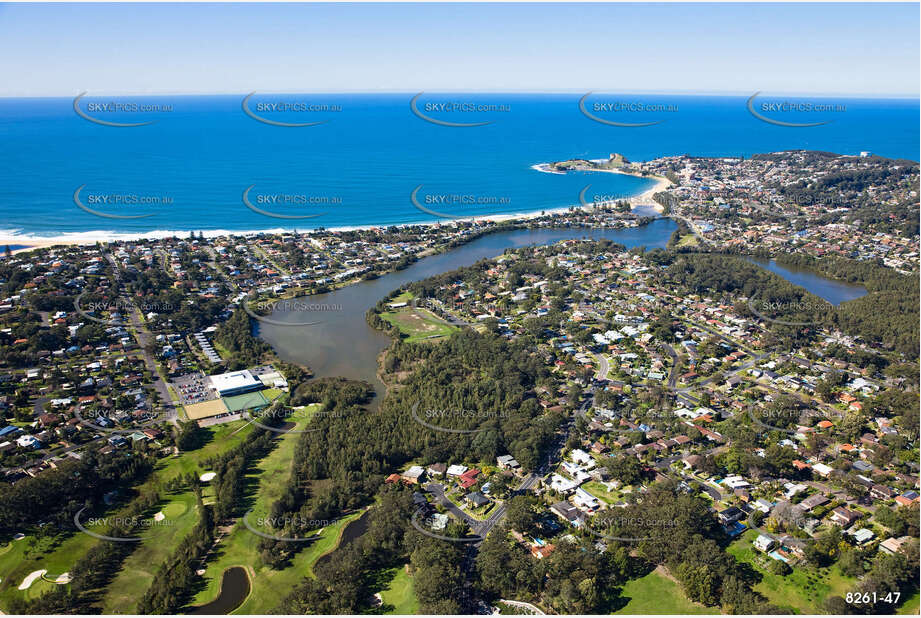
{"x":662,"y":183}
{"x":91,"y":237}
{"x":198,"y":609}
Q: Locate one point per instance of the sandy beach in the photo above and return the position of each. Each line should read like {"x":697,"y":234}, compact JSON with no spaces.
{"x":642,"y":199}
{"x":93,"y":237}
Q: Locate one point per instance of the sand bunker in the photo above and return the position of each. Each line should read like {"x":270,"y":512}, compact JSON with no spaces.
{"x":31,"y":577}
{"x":208,"y":476}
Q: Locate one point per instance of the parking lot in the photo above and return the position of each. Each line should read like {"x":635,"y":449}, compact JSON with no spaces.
{"x":194,"y":388}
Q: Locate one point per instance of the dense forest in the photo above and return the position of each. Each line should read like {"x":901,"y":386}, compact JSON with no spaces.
{"x":55,"y":496}
{"x":346,"y":579}
{"x":896,"y":328}
{"x":236,"y":336}
{"x":667,"y":527}
{"x":92,"y":572}
{"x":468,"y":382}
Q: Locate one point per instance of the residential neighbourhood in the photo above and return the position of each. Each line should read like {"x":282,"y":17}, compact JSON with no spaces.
{"x":641,"y":380}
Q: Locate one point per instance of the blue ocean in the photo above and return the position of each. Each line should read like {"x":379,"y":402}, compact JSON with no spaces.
{"x":205,"y":163}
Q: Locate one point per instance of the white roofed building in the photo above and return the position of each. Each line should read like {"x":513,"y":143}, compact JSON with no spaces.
{"x":235,"y":383}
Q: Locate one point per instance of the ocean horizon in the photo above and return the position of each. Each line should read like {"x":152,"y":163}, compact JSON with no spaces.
{"x":203,"y":163}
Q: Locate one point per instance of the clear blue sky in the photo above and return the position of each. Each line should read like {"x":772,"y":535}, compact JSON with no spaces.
{"x":64,"y":49}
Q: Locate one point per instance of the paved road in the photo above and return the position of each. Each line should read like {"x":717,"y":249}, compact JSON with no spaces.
{"x":479,"y":527}
{"x":691,"y":225}
{"x":717,"y":333}
{"x":673,"y":374}
{"x":144,"y":339}
{"x":603,"y":367}
{"x":438,"y":490}
{"x":741,"y":368}
{"x":805,"y":399}
{"x":527,"y":483}
{"x":38,"y":408}
{"x":58,"y":452}
{"x":442,"y":313}
{"x":527,"y":608}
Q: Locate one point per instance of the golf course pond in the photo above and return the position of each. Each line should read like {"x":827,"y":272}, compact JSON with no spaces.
{"x":234,"y":590}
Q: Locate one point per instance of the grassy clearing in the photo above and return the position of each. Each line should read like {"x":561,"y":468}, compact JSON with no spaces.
{"x":656,"y":594}
{"x":911,"y":606}
{"x":601,"y":492}
{"x":418,"y":324}
{"x":265,"y":484}
{"x":272,"y":393}
{"x":241,"y":548}
{"x":269,"y":586}
{"x":405,"y":297}
{"x":57,"y":554}
{"x":804,"y":590}
{"x":139,"y":568}
{"x":399,"y":596}
{"x":219,"y":439}
{"x":20,"y":558}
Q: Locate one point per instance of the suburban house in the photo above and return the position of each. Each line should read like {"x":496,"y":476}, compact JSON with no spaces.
{"x":881,"y":492}
{"x":581,"y":457}
{"x":476,"y":499}
{"x":413,"y":475}
{"x":844,"y":517}
{"x":908,"y":498}
{"x":456,"y":470}
{"x":585,"y":500}
{"x":731,"y":515}
{"x":562,"y":484}
{"x":894,"y":545}
{"x":568,"y":513}
{"x":439,"y":521}
{"x":468,"y":478}
{"x":813,"y":501}
{"x":507,"y":462}
{"x":764,"y":543}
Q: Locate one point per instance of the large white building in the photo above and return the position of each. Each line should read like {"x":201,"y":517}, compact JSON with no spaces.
{"x":235,"y":383}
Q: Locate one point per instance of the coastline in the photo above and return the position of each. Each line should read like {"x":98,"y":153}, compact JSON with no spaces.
{"x":33,"y":242}
{"x":640,"y":199}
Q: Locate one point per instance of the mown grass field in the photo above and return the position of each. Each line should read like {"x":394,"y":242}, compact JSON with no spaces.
{"x":418,"y":324}
{"x":139,"y":568}
{"x":911,"y":606}
{"x":398,"y":596}
{"x":58,"y":554}
{"x":688,"y":240}
{"x":20,"y":558}
{"x":265,"y":483}
{"x":599,"y":491}
{"x":804,"y":590}
{"x":656,"y":594}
